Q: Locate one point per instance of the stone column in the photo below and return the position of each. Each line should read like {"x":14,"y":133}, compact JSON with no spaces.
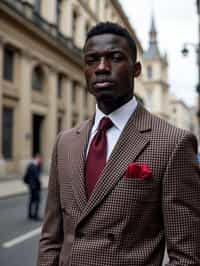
{"x":91,"y":103}
{"x":93,"y":5}
{"x":108,"y":12}
{"x":50,"y":123}
{"x":81,"y":106}
{"x":102,"y":10}
{"x":81,"y":31}
{"x":49,"y":11}
{"x":2,"y":162}
{"x":67,"y":91}
{"x":23,"y":132}
{"x":66,"y":18}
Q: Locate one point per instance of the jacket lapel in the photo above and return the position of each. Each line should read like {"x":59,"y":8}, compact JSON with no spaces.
{"x":130,"y":144}
{"x":79,"y":151}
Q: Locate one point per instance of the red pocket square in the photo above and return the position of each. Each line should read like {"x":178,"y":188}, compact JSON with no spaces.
{"x":138,"y":171}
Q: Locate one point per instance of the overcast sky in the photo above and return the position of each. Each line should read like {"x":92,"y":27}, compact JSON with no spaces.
{"x":177,"y":23}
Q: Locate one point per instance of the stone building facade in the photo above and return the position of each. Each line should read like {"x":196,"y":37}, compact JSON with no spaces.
{"x":42,"y":87}
{"x":181,"y":114}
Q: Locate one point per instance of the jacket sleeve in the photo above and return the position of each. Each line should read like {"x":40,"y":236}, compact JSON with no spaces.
{"x":181,"y":204}
{"x":52,"y":232}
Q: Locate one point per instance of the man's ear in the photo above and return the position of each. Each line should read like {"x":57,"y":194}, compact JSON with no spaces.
{"x":137,"y":69}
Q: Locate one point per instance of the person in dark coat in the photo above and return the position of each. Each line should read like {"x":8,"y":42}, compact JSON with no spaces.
{"x":33,"y":181}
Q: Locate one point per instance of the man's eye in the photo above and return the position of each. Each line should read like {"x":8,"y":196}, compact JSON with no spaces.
{"x":91,"y":60}
{"x":116,"y":57}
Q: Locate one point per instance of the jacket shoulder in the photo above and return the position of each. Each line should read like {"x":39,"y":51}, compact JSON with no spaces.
{"x":167,"y":132}
{"x":68,"y":134}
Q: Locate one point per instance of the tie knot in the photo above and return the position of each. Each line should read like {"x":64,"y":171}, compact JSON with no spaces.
{"x":105,"y":123}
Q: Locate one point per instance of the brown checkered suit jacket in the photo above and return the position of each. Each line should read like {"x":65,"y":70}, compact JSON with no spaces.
{"x":126,"y":221}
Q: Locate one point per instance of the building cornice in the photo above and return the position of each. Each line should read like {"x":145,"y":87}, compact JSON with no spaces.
{"x":180,"y":102}
{"x":88,"y":9}
{"x":24,"y":15}
{"x":156,"y":82}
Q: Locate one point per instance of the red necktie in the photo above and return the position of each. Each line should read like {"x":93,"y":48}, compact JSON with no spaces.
{"x":96,"y":158}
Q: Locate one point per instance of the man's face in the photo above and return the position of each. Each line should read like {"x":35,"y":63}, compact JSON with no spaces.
{"x":109,"y":69}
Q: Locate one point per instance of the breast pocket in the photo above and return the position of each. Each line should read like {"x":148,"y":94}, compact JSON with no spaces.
{"x":133,"y":196}
{"x":139,"y":189}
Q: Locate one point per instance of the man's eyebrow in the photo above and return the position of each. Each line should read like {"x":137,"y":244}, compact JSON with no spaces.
{"x":110,"y":50}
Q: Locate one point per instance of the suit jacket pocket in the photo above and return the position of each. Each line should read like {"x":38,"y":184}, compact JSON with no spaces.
{"x":140,"y":189}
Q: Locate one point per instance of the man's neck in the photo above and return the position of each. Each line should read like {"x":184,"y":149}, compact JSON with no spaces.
{"x":108,"y":107}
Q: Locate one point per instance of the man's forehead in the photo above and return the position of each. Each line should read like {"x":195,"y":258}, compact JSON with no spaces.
{"x":106,"y":40}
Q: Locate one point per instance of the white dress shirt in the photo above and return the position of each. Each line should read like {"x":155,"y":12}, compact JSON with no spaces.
{"x":119,"y":118}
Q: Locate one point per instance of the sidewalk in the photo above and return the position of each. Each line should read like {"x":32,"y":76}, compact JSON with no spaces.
{"x":16,"y":186}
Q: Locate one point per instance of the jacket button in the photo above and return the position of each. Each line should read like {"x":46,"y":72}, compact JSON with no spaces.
{"x":111,"y":236}
{"x":79,"y":234}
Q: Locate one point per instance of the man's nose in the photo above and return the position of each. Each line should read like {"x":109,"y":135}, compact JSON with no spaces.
{"x":103,"y":66}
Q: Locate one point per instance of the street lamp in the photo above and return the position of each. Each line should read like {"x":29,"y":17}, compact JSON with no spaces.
{"x":185,"y":52}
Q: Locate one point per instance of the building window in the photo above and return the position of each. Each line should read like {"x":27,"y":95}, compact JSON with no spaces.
{"x":37,"y":5}
{"x":74,"y":24}
{"x":149,"y":72}
{"x":7,"y":130}
{"x":38,"y":79}
{"x":74,"y":119}
{"x":74,"y":92}
{"x":8,"y":68}
{"x":59,"y":86}
{"x":174,"y":110}
{"x":87,"y":27}
{"x":59,"y":12}
{"x":60,"y":124}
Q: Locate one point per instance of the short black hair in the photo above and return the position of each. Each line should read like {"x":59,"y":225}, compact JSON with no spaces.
{"x":113,"y":28}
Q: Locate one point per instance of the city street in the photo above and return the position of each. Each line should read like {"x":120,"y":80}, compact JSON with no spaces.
{"x":19,"y":236}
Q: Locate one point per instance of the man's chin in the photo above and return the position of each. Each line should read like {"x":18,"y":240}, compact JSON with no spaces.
{"x":106,"y":98}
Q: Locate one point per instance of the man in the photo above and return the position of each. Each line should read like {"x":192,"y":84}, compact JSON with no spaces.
{"x":32,"y":177}
{"x":121,"y":207}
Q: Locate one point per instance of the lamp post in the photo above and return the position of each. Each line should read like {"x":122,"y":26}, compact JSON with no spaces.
{"x":185,"y":52}
{"x":198,"y":61}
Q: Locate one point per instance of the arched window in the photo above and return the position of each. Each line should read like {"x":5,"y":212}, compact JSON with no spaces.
{"x":38,"y":79}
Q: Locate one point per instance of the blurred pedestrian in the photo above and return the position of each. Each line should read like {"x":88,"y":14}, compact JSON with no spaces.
{"x":32,"y":177}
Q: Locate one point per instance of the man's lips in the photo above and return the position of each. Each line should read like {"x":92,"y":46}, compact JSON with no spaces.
{"x":103,"y":84}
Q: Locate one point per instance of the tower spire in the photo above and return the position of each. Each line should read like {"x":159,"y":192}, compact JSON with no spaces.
{"x":153,"y":50}
{"x":153,"y":31}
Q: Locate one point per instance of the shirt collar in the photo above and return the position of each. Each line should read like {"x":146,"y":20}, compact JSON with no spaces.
{"x":119,"y":117}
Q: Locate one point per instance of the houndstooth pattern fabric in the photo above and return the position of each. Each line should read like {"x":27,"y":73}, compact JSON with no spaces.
{"x":126,"y":221}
